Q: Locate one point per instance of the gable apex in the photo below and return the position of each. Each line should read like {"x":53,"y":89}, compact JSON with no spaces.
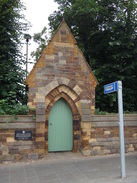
{"x":63,"y":34}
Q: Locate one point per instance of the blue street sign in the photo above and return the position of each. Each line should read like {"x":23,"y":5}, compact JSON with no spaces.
{"x":111,"y":87}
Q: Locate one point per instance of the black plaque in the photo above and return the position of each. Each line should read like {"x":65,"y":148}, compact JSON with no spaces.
{"x":23,"y":135}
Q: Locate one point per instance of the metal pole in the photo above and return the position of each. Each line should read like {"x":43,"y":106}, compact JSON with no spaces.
{"x":26,"y":57}
{"x":27,"y":37}
{"x":121,"y":129}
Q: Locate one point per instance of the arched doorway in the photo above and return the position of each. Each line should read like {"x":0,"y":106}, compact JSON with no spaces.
{"x":60,"y":131}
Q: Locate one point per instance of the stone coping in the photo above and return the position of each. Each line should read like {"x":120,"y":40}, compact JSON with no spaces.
{"x":17,"y":122}
{"x":17,"y":118}
{"x":113,"y":120}
{"x":29,"y":121}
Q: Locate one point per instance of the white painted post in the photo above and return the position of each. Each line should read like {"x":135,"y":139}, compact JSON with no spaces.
{"x":121,"y":129}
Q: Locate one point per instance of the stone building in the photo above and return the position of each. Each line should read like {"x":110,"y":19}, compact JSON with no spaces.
{"x":61,"y":89}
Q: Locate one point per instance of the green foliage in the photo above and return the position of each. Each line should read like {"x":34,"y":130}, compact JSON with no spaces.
{"x":10,"y":107}
{"x":12,"y":30}
{"x":98,"y":112}
{"x":106,"y":31}
{"x":41,"y":39}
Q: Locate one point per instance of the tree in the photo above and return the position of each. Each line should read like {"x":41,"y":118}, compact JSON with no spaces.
{"x":106,"y":31}
{"x":12,"y":30}
{"x":41,"y":39}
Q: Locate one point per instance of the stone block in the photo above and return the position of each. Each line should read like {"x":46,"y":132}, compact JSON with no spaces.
{"x":9,"y":158}
{"x":40,"y":105}
{"x":2,"y":158}
{"x":40,"y":111}
{"x":77,"y":89}
{"x":83,"y":133}
{"x":93,"y":130}
{"x":76,"y":122}
{"x":113,"y":151}
{"x":5,"y":153}
{"x":85,"y":104}
{"x":39,"y":130}
{"x":86,"y":111}
{"x":92,"y":107}
{"x":86,"y":138}
{"x":86,"y":118}
{"x":104,"y":152}
{"x":62,"y":62}
{"x":41,"y":151}
{"x":72,"y":95}
{"x":88,"y":132}
{"x":50,"y":87}
{"x":131,"y":148}
{"x":40,"y":99}
{"x":41,"y":76}
{"x":60,"y":54}
{"x":63,"y":89}
{"x":85,"y":144}
{"x":33,"y":156}
{"x":75,"y":147}
{"x":40,"y":90}
{"x":40,"y":140}
{"x":30,"y":104}
{"x":134,"y":135}
{"x":107,"y":132}
{"x":97,"y":148}
{"x":85,"y":126}
{"x":40,"y":126}
{"x":92,"y":140}
{"x":49,"y":57}
{"x":40,"y":118}
{"x":40,"y":134}
{"x":76,"y":137}
{"x":18,"y":157}
{"x":10,"y":139}
{"x":76,"y":127}
{"x":15,"y":126}
{"x":39,"y":95}
{"x":47,"y":101}
{"x":86,"y":152}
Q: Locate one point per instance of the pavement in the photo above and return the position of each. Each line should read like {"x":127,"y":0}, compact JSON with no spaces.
{"x":70,"y":168}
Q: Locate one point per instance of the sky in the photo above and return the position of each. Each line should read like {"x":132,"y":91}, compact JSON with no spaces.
{"x":37,"y":13}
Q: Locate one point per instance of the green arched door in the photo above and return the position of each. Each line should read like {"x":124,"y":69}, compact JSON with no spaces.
{"x":60,"y":132}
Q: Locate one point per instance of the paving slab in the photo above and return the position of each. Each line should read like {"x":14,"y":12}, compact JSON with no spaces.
{"x":70,"y":168}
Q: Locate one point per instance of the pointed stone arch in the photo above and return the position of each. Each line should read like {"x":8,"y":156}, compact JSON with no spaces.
{"x":59,"y":92}
{"x":45,"y":94}
{"x":62,"y":81}
{"x":67,"y":98}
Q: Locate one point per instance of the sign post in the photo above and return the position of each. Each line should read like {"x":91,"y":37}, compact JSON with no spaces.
{"x":109,"y":88}
{"x":121,"y":128}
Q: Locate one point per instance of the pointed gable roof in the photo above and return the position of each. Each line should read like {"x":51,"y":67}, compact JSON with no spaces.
{"x":61,"y":35}
{"x":64,"y":29}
